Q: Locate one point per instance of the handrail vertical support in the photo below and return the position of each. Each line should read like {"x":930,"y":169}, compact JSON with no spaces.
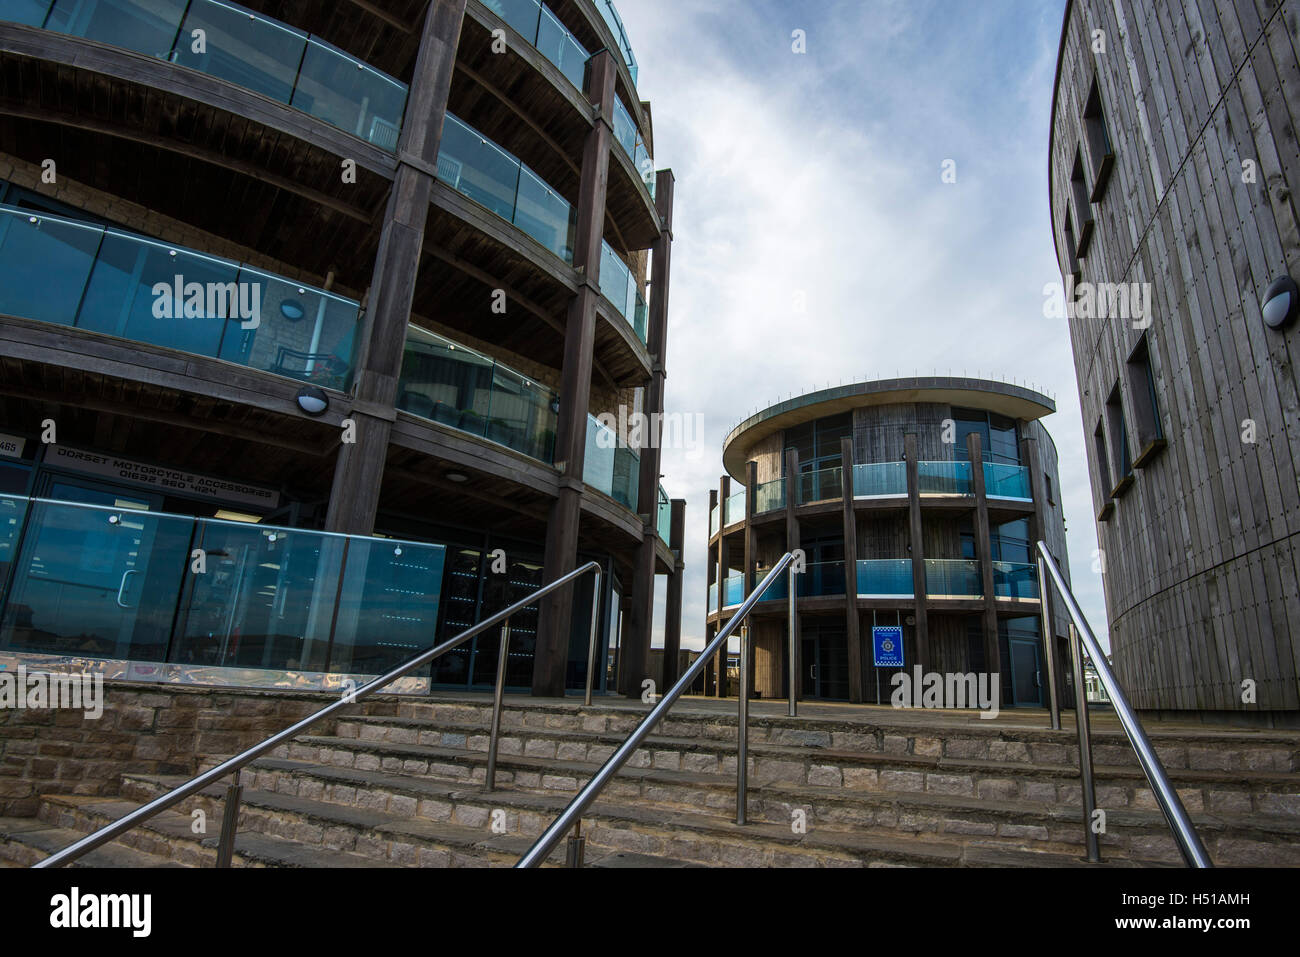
{"x":591,"y":643}
{"x":229,"y":822}
{"x":1049,"y":645}
{"x":491,"y":780}
{"x":793,"y":710}
{"x":576,"y":848}
{"x":1089,"y":795}
{"x":742,"y":726}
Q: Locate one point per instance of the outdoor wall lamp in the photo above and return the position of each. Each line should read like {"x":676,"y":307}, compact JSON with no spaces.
{"x":312,"y":400}
{"x":1281,"y":302}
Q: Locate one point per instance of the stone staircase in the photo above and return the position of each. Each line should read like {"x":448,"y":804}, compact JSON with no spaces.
{"x":401,"y":784}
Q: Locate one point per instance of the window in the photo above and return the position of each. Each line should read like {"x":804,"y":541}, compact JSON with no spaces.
{"x":1146,"y":404}
{"x":1121,"y":456}
{"x":1047,"y":485}
{"x":818,"y":442}
{"x":1071,"y":259}
{"x":1101,"y":152}
{"x":1082,"y":211}
{"x":1103,"y":471}
{"x":999,"y":437}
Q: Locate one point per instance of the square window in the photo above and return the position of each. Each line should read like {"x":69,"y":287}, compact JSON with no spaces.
{"x":1101,"y":151}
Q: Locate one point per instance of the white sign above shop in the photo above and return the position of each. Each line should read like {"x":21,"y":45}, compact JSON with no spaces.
{"x":168,"y":480}
{"x":11,"y":446}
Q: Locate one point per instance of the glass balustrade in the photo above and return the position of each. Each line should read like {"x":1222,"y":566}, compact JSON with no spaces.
{"x":735,"y":511}
{"x":713,"y":521}
{"x":124,"y":584}
{"x":713,"y":597}
{"x":821,"y":580}
{"x":104,"y":280}
{"x":664,"y":518}
{"x":620,"y":287}
{"x":448,"y":383}
{"x":609,"y":466}
{"x":473,"y":165}
{"x":733,"y":591}
{"x":1006,"y":481}
{"x":944,"y":478}
{"x":945,"y":578}
{"x":243,"y":47}
{"x":628,"y":137}
{"x":822,"y":485}
{"x":615,"y":22}
{"x":881,"y":480}
{"x":539,"y":26}
{"x":1015,"y":580}
{"x":769,"y":496}
{"x":885,"y":578}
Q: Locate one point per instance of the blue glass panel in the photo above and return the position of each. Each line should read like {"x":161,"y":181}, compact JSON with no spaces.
{"x":445,"y":382}
{"x":523,"y":414}
{"x":522,"y":15}
{"x":477,"y":167}
{"x":944,"y":478}
{"x":881,"y":479}
{"x":1015,"y":580}
{"x":713,"y":597}
{"x":45,"y":263}
{"x":350,"y":95}
{"x":145,"y":26}
{"x":256,"y":53}
{"x":733,"y":591}
{"x":885,"y":577}
{"x":769,"y":496}
{"x":953,"y":579}
{"x":545,"y":215}
{"x":1006,"y":481}
{"x":28,"y":12}
{"x":663,"y":523}
{"x":559,"y":46}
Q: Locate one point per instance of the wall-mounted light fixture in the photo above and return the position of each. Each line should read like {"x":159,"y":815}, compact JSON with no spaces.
{"x":312,"y":400}
{"x":1281,"y":302}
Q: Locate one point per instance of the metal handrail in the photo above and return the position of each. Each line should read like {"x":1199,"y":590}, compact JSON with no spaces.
{"x":1189,"y":842}
{"x":571,"y":816}
{"x":226,"y":844}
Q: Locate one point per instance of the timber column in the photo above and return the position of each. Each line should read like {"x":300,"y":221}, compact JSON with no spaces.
{"x":673,"y":598}
{"x":636,"y":644}
{"x":359,"y":468}
{"x":561,"y":556}
{"x":916,"y":533}
{"x":984,"y":550}
{"x":791,"y":544}
{"x":852,"y":629}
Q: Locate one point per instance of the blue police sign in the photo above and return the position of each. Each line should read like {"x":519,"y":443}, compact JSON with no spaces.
{"x":888,"y":646}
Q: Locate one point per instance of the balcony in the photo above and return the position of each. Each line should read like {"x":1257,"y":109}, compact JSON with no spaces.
{"x":620,"y":287}
{"x":539,"y":26}
{"x":628,"y":137}
{"x":448,"y":383}
{"x":615,"y":22}
{"x":769,"y":497}
{"x":1015,"y":580}
{"x":1007,"y":482}
{"x":820,"y":486}
{"x":880,"y":480}
{"x":104,"y":280}
{"x":610,"y":467}
{"x":885,"y":578}
{"x":735,"y":509}
{"x":124,"y":584}
{"x":733,"y":591}
{"x":946,"y":578}
{"x":664,"y":516}
{"x":944,"y":478}
{"x":245,"y":48}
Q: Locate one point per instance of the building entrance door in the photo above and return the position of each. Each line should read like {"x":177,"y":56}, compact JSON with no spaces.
{"x":825,"y":664}
{"x":1026,"y":679}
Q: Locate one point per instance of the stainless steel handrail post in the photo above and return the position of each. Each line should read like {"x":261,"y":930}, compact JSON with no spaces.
{"x":591,"y":642}
{"x":229,"y":823}
{"x":742,"y":728}
{"x":1089,"y":791}
{"x":793,"y":668}
{"x":1189,"y":842}
{"x":502,"y":654}
{"x":573,"y":812}
{"x":1049,"y":646}
{"x":577,"y":847}
{"x":123,"y":824}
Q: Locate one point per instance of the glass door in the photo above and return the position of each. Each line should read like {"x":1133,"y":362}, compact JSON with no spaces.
{"x":1025,"y":678}
{"x":826,"y":665}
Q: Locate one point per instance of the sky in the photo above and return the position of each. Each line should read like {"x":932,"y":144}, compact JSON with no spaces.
{"x":816,"y":177}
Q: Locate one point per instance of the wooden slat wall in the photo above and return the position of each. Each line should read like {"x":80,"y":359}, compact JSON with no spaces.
{"x":1201,"y":562}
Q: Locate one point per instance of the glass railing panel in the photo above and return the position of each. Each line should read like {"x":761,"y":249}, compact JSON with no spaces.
{"x":1006,"y":481}
{"x":1015,"y":580}
{"x":953,"y":579}
{"x":778,"y":590}
{"x":713,"y":521}
{"x":769,"y":496}
{"x":256,"y":53}
{"x":615,"y":278}
{"x":733,"y":591}
{"x":30,"y":13}
{"x":522,"y":15}
{"x":822,"y":485}
{"x":615,"y":22}
{"x":474,"y":165}
{"x":664,"y":517}
{"x":558,"y":45}
{"x":446,"y":383}
{"x":346,"y":93}
{"x":13,"y":515}
{"x":522,"y":415}
{"x":885,"y":578}
{"x":735,"y":508}
{"x":880,"y":480}
{"x":145,"y":26}
{"x":625,"y":129}
{"x":821,"y":579}
{"x":45,"y":264}
{"x":640,"y":314}
{"x":713,"y":596}
{"x":598,"y":463}
{"x":545,"y":215}
{"x":944,"y":478}
{"x":627,"y":477}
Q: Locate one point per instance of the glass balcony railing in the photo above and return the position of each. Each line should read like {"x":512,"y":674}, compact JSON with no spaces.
{"x":1006,"y":481}
{"x":105,"y":280}
{"x":238,"y":45}
{"x":621,"y":288}
{"x":959,"y":578}
{"x":821,"y":485}
{"x":821,"y":580}
{"x":769,"y":496}
{"x":882,"y":480}
{"x":885,"y":578}
{"x":735,"y":510}
{"x":713,"y":521}
{"x":625,"y":132}
{"x":944,"y":478}
{"x":91,"y":580}
{"x":473,"y":165}
{"x":539,"y":26}
{"x":713,"y":597}
{"x":606,"y":8}
{"x":1015,"y":580}
{"x":664,"y":517}
{"x":610,"y":467}
{"x":733,"y":591}
{"x":448,"y":383}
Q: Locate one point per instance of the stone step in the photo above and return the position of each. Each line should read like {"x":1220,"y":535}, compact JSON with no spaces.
{"x":1264,"y":793}
{"x":25,"y":841}
{"x":409,"y":803}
